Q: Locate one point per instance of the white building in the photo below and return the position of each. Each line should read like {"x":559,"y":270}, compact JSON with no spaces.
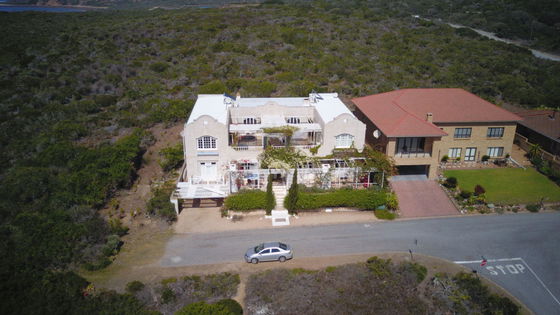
{"x":225,"y":134}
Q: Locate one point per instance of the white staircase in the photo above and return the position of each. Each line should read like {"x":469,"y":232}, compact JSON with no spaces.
{"x":280,"y":215}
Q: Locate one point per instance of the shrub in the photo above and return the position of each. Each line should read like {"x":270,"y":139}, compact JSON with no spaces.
{"x":246,"y":200}
{"x":112,"y":246}
{"x":270,"y":200}
{"x":533,"y":207}
{"x":445,"y":158}
{"x":479,"y":190}
{"x":291,"y":200}
{"x":101,"y":263}
{"x":385,"y":214}
{"x":419,"y":270}
{"x":167,"y":295}
{"x":117,"y":227}
{"x":159,"y":67}
{"x":167,"y":281}
{"x":364,"y":199}
{"x":485,"y":158}
{"x":202,"y":308}
{"x":480,"y":295}
{"x":465,"y":194}
{"x":172,"y":157}
{"x":160,"y":205}
{"x":450,"y":182}
{"x":381,"y":268}
{"x":392,"y":201}
{"x":232,"y":305}
{"x":134,"y":286}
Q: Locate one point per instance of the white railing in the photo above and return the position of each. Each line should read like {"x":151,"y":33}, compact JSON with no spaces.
{"x":414,"y":155}
{"x":247,"y":148}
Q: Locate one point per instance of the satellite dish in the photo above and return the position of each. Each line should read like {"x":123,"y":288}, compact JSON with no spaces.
{"x":376,"y":133}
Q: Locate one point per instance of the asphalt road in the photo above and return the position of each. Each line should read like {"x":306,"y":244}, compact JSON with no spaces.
{"x":522,"y":249}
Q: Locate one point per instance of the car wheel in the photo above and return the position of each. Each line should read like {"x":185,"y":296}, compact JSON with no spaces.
{"x":282,"y":259}
{"x":254,"y":261}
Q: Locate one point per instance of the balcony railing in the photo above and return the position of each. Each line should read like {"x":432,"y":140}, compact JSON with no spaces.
{"x":413,"y":154}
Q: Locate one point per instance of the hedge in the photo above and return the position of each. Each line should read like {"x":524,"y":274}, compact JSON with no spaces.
{"x":353,"y":198}
{"x":246,"y":200}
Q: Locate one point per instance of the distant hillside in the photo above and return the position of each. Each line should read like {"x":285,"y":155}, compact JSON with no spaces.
{"x":138,"y":4}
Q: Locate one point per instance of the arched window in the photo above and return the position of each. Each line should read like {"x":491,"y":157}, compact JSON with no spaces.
{"x":293,"y":120}
{"x":343,"y":141}
{"x":250,"y":121}
{"x":206,"y":142}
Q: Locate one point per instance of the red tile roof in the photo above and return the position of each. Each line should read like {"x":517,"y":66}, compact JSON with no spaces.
{"x":402,"y":113}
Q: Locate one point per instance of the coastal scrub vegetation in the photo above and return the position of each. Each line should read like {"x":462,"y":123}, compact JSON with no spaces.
{"x":77,"y":90}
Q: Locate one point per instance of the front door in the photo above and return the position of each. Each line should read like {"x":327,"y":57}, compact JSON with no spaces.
{"x":470,"y":154}
{"x":208,"y":171}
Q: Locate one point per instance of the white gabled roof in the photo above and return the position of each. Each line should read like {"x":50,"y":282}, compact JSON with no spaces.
{"x":213,"y":105}
{"x":328,"y":105}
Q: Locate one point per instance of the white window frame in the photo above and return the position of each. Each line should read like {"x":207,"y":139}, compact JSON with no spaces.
{"x":454,"y":152}
{"x":206,"y":143}
{"x":343,"y":141}
{"x":495,"y":152}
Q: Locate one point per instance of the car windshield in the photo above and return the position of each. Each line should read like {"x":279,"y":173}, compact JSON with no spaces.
{"x":259,"y":248}
{"x":283,"y":246}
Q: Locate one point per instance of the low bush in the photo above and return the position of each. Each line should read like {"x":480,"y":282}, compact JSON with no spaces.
{"x":172,"y":157}
{"x":479,"y":190}
{"x":419,"y":270}
{"x":160,"y":205}
{"x":246,"y":200}
{"x":117,"y":227}
{"x":481,"y":295}
{"x":364,"y":199}
{"x":383,"y":214}
{"x":485,"y":158}
{"x":465,"y":194}
{"x":167,"y":295}
{"x":232,"y":305}
{"x":134,"y":286}
{"x":533,"y":207}
{"x":203,"y":308}
{"x":450,"y":182}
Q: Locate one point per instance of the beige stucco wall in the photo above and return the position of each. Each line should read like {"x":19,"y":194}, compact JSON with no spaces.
{"x":430,"y":145}
{"x":344,"y":123}
{"x":272,"y":109}
{"x":205,"y":126}
{"x":478,"y":139}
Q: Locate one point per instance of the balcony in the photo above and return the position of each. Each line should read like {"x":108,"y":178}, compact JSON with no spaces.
{"x":413,"y":154}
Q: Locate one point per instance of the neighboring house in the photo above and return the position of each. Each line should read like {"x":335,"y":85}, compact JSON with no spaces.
{"x":418,"y":127}
{"x":541,"y":127}
{"x":225,"y":134}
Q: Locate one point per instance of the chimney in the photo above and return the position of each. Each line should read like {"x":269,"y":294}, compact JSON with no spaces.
{"x":237,"y":99}
{"x":430,"y":117}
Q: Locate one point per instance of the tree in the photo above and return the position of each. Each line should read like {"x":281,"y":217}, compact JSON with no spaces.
{"x":270,"y":201}
{"x":292,"y":197}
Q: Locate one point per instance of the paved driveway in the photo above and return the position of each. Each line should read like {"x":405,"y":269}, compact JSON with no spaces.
{"x":422,"y":198}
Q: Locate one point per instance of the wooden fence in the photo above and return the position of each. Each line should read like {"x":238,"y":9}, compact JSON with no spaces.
{"x":524,"y":144}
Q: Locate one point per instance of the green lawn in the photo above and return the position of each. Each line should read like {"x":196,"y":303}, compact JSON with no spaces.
{"x":508,"y":185}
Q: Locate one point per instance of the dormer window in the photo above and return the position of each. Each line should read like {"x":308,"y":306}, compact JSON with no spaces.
{"x":206,"y":142}
{"x":250,"y":121}
{"x":293,"y":120}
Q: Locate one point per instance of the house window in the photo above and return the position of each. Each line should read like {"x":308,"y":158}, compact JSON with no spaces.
{"x":410,"y":145}
{"x":250,"y":121}
{"x":293,"y":120}
{"x":495,"y":132}
{"x":454,"y":152}
{"x":206,"y":142}
{"x":343,"y":141}
{"x":495,"y":151}
{"x":462,"y":132}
